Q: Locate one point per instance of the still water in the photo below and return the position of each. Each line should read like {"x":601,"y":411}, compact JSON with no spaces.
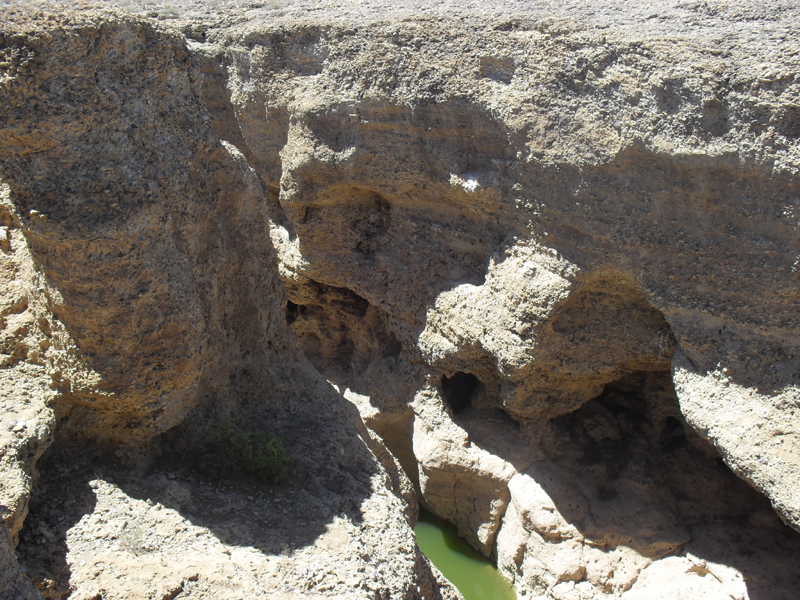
{"x":471,"y":573}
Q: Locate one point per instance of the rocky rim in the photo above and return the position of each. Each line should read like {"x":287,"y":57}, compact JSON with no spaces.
{"x":533,"y":266}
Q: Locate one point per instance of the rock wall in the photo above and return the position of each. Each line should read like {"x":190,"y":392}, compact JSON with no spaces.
{"x":140,"y":240}
{"x":550,"y":253}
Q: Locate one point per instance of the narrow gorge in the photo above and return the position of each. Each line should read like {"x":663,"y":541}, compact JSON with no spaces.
{"x":533,"y":268}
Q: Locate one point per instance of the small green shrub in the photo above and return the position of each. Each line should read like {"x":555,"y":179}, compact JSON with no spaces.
{"x":250,"y":452}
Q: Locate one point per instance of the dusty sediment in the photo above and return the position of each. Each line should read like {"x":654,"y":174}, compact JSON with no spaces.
{"x":549,"y":254}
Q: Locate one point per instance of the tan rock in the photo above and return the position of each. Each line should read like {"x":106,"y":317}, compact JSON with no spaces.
{"x":679,"y":578}
{"x":548,"y":251}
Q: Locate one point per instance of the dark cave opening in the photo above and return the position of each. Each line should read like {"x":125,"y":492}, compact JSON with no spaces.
{"x":459,"y":390}
{"x":640,"y":410}
{"x":292,"y":311}
{"x":657,"y":486}
{"x":673,"y":434}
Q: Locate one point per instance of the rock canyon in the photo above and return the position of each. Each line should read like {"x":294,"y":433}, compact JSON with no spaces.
{"x":531,"y":266}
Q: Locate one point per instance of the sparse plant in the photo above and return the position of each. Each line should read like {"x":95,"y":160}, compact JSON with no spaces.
{"x":243,"y":451}
{"x":133,"y":539}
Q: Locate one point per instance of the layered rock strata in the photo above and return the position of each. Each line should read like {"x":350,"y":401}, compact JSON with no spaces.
{"x":550,"y":253}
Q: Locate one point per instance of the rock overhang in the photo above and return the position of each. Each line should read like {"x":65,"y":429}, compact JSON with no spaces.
{"x":544,"y":167}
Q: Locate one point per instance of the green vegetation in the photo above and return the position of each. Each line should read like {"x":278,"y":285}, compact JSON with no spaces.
{"x":251,"y":452}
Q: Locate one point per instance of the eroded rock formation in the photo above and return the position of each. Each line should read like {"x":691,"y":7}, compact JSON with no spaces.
{"x":549,"y":253}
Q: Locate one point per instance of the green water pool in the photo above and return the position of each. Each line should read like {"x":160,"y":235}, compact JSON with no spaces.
{"x":474,"y":576}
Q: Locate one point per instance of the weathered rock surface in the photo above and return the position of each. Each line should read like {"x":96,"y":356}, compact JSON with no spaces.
{"x":162,"y":304}
{"x":548,"y":250}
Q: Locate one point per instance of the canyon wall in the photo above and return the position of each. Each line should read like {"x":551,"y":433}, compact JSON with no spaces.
{"x":548,"y":252}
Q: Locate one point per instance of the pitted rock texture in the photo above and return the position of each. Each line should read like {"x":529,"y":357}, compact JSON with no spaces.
{"x":548,"y":250}
{"x":153,"y":302}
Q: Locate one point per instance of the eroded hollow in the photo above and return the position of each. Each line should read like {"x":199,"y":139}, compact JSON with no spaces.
{"x":459,"y":390}
{"x":624,"y":469}
{"x":627,"y":470}
{"x":648,"y":482}
{"x":633,"y":435}
{"x":293,"y":311}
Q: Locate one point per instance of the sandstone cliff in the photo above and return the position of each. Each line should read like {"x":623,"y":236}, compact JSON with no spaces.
{"x":548,"y":251}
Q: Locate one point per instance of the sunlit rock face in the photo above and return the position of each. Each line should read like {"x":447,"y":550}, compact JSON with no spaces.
{"x":549,"y":253}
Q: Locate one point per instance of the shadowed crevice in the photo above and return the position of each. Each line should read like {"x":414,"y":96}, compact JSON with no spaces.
{"x":458,"y":390}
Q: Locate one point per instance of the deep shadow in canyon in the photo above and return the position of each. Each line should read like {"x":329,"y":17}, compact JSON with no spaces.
{"x":178,"y":261}
{"x":626,"y":470}
{"x":238,"y":510}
